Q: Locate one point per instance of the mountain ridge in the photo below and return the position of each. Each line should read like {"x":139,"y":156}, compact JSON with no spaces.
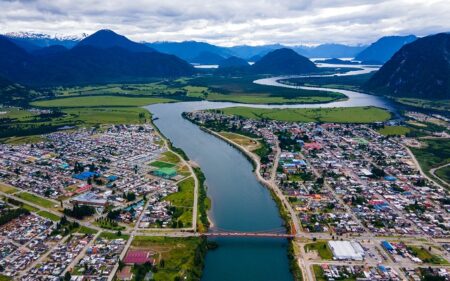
{"x":420,"y":69}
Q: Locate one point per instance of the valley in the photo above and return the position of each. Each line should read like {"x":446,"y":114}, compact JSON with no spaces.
{"x":127,"y":160}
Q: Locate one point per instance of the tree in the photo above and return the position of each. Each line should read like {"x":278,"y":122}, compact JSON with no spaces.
{"x":121,"y":265}
{"x":67,"y":276}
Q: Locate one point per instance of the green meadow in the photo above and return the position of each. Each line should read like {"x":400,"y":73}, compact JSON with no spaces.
{"x":336,"y":115}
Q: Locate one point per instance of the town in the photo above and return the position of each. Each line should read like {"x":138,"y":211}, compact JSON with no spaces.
{"x":69,"y":204}
{"x":348,"y":186}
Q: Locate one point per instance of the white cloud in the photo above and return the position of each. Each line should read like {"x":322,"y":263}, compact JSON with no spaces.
{"x":231,"y":22}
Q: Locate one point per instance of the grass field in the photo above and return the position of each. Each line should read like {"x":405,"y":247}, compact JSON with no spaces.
{"x":337,"y":115}
{"x":443,"y":105}
{"x":154,"y":88}
{"x":100,"y":101}
{"x":267,"y":99}
{"x":107,"y":224}
{"x":243,"y":90}
{"x":86,"y":230}
{"x":36,"y":200}
{"x":161,"y":164}
{"x":182,"y":256}
{"x":27,"y":132}
{"x":217,"y":88}
{"x":426,"y":256}
{"x":30,"y":208}
{"x":322,"y":249}
{"x":351,"y":82}
{"x":109,"y":115}
{"x":22,"y":140}
{"x":5,"y":278}
{"x":444,"y":173}
{"x":245,"y":141}
{"x":49,"y":216}
{"x":113,"y":235}
{"x":17,"y":114}
{"x":170,"y":157}
{"x":394,"y":130}
{"x":183,"y":201}
{"x":7,"y":188}
{"x":318,"y":273}
{"x":435,"y":153}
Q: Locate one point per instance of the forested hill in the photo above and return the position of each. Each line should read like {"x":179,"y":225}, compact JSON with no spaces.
{"x":418,"y":70}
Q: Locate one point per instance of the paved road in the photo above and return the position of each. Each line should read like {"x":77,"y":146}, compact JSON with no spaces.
{"x":413,"y":157}
{"x":80,"y":255}
{"x":433,"y":172}
{"x":196,"y":183}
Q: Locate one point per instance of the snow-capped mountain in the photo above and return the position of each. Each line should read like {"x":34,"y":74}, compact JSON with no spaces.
{"x":33,"y":40}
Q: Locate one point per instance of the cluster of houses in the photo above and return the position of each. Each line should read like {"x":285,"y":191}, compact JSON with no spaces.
{"x":360,"y":273}
{"x":25,"y":240}
{"x":69,"y":163}
{"x":95,"y":167}
{"x":58,"y":261}
{"x":99,"y":260}
{"x":418,"y":274}
{"x":374,"y":178}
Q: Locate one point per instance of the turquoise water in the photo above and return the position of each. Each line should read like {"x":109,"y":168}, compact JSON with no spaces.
{"x":239,"y":201}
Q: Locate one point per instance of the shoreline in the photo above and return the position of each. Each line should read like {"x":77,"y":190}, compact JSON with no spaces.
{"x":295,"y":269}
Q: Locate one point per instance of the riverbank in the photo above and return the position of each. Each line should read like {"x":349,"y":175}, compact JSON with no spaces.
{"x":200,"y":221}
{"x":277,"y":197}
{"x":291,"y":225}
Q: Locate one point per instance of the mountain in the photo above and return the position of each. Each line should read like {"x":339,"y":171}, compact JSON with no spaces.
{"x":87,"y":63}
{"x":233,"y":62}
{"x":13,"y":57}
{"x":336,"y":61}
{"x":384,"y":48}
{"x":283,"y":61}
{"x":32,"y":41}
{"x":105,"y":38}
{"x":420,"y":69}
{"x":50,"y":50}
{"x":188,"y":50}
{"x":255,"y":58}
{"x":207,"y":58}
{"x":329,"y":51}
{"x":13,"y":94}
{"x":246,"y":52}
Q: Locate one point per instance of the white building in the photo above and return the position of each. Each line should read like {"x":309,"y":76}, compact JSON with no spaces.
{"x":346,"y":250}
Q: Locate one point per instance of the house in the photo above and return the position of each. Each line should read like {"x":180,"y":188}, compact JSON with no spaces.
{"x":125,"y":274}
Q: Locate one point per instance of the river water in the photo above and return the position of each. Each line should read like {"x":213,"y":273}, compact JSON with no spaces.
{"x":239,"y":201}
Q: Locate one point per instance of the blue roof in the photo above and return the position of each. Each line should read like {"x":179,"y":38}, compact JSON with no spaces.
{"x":387,"y":245}
{"x":390,"y":178}
{"x":112,"y":178}
{"x":85,"y":175}
{"x":382,"y":268}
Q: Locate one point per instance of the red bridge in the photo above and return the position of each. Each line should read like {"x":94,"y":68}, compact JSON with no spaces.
{"x":271,"y":233}
{"x":248,"y":234}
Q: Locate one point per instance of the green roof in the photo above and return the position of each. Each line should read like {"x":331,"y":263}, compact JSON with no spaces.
{"x":166,"y":172}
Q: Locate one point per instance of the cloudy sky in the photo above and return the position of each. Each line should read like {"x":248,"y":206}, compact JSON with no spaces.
{"x":231,"y":22}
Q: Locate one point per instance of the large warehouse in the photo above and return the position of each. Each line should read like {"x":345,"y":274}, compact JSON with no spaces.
{"x":346,"y":250}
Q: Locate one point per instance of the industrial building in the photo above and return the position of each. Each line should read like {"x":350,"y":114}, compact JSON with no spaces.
{"x":90,"y":199}
{"x":346,"y":250}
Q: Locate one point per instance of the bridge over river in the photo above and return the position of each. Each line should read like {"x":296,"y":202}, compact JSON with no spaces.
{"x":248,"y":234}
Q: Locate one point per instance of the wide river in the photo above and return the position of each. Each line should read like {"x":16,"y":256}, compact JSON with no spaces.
{"x":239,"y":201}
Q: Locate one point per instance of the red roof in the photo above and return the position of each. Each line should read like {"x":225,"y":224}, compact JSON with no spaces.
{"x":137,"y":257}
{"x":83,"y":188}
{"x":312,"y":145}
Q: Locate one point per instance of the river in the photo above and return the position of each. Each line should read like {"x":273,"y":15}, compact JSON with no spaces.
{"x":239,"y":201}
